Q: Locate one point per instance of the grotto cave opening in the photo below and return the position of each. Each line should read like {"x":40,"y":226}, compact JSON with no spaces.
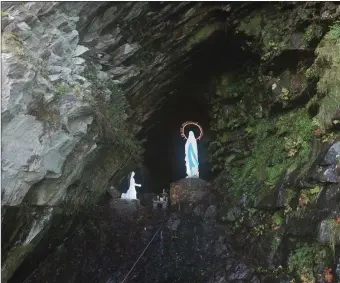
{"x":164,"y":151}
{"x":248,"y":73}
{"x":189,"y":100}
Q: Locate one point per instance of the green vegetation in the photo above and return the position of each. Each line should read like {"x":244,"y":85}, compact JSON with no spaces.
{"x":327,"y":68}
{"x":260,"y":229}
{"x":284,"y":94}
{"x":11,"y":43}
{"x":305,"y":258}
{"x":334,"y":233}
{"x":291,"y":86}
{"x":203,"y":34}
{"x":279,"y":144}
{"x":289,"y":195}
{"x":276,"y":242}
{"x":268,"y":29}
{"x":314,"y":31}
{"x":4,"y":14}
{"x":229,"y":145}
{"x":14,"y":44}
{"x":334,"y":32}
{"x":251,"y":25}
{"x":277,"y":218}
{"x":308,"y":196}
{"x":260,"y":152}
{"x":271,"y":145}
{"x":62,"y":89}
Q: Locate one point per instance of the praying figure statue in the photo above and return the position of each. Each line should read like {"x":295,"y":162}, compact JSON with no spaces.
{"x":191,"y":156}
{"x":131,"y":193}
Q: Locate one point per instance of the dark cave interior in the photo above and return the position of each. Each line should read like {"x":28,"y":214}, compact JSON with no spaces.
{"x":164,"y":148}
{"x":164,"y":155}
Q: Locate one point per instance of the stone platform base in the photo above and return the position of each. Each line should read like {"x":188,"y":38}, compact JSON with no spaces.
{"x":125,"y":206}
{"x":188,"y":190}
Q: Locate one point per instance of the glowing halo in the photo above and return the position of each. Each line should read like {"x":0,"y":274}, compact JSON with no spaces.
{"x":191,"y":123}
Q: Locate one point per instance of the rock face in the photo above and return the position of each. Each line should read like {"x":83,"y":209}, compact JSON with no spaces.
{"x":46,"y":97}
{"x":192,"y":245}
{"x":188,"y":190}
{"x":80,"y":81}
{"x":44,"y":113}
{"x":275,"y":142}
{"x":56,"y":58}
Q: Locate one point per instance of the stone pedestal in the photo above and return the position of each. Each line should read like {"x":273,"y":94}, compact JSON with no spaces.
{"x":189,"y":190}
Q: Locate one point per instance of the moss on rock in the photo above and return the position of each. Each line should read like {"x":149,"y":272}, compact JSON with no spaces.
{"x":327,"y":68}
{"x":307,"y":260}
{"x":313,"y":32}
{"x":203,"y":33}
{"x":278,"y":144}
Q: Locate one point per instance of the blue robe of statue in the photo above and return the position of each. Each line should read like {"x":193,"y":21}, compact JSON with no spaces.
{"x":191,"y":156}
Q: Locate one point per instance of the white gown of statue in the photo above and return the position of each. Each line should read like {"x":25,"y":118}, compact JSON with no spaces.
{"x":131,"y":193}
{"x":191,"y":156}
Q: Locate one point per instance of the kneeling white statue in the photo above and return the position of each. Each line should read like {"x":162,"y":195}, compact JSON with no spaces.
{"x":131,"y":193}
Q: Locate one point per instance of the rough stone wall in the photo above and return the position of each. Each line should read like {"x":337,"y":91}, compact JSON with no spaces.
{"x":276,"y":141}
{"x":188,"y":241}
{"x":46,"y":96}
{"x":51,"y":151}
{"x":46,"y":100}
{"x":50,"y":155}
{"x":41,"y":127}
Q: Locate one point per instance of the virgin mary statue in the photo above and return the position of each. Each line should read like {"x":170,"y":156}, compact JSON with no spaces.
{"x":131,"y":193}
{"x":191,"y":156}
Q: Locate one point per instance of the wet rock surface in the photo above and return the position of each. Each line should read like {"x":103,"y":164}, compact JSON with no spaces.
{"x":58,"y":154}
{"x":187,"y":247}
{"x":332,"y":156}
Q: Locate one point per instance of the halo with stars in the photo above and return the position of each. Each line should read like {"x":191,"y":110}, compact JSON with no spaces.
{"x":191,"y":123}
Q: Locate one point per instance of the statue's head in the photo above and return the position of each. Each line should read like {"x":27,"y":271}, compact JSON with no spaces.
{"x":191,"y":135}
{"x":132,"y":174}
